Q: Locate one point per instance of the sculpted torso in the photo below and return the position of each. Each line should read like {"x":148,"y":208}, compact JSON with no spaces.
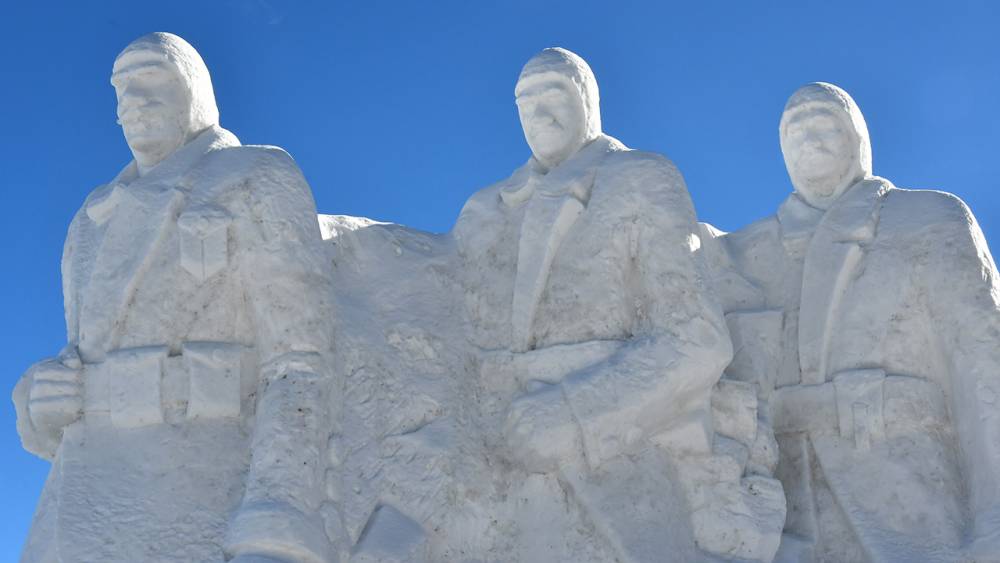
{"x":598,"y":251}
{"x":180,"y":298}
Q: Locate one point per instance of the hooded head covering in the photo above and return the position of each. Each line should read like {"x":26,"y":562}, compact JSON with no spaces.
{"x":180,"y":56}
{"x":562,"y":64}
{"x":830,"y":98}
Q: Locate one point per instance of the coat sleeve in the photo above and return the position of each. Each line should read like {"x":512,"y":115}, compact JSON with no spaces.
{"x":69,"y":291}
{"x":39,"y":443}
{"x":680,"y":343}
{"x":963,"y":291}
{"x":286,"y":281}
{"x":284,"y":268}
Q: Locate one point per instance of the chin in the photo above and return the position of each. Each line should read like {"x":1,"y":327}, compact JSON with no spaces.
{"x":815,"y":196}
{"x":553,"y":151}
{"x":154,"y":140}
{"x":145,"y":145}
{"x":818,"y":183}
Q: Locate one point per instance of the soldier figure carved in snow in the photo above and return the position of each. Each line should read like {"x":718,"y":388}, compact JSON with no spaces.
{"x":586,"y":293}
{"x":885,"y":304}
{"x":196,"y":372}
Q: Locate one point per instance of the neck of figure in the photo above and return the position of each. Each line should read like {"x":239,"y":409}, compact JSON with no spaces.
{"x":147,"y":160}
{"x":547,"y":166}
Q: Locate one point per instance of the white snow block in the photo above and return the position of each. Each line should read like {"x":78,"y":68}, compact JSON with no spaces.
{"x":764,"y":451}
{"x":691,"y":435}
{"x":734,"y":410}
{"x":744,"y":521}
{"x":390,"y":537}
{"x":637,"y":505}
{"x":757,"y":341}
{"x":214,"y":375}
{"x":134,"y":377}
{"x":733,"y":449}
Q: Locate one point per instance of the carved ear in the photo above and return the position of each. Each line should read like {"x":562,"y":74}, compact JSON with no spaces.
{"x":204,"y":235}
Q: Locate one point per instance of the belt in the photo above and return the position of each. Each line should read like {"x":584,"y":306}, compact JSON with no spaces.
{"x":146,"y":385}
{"x":863,"y":405}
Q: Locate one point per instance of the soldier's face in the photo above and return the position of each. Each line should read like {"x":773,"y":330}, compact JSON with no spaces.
{"x":552,"y":117}
{"x":819,"y":151}
{"x":153,"y":106}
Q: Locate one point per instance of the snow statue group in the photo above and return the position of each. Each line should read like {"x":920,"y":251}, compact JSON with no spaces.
{"x":579,"y":371}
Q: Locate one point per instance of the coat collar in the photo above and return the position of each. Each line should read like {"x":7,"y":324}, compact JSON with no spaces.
{"x":798,"y":221}
{"x":212,"y":138}
{"x":569,"y":178}
{"x":854,"y":216}
{"x":102,"y":204}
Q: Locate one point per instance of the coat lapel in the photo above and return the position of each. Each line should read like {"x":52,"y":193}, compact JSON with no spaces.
{"x":798,"y":222}
{"x":831,"y":262}
{"x":554,"y":202}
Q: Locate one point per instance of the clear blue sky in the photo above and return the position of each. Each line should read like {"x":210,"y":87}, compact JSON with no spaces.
{"x":401,"y":110}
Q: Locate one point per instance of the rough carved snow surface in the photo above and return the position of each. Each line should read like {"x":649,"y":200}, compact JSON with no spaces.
{"x":578,"y":371}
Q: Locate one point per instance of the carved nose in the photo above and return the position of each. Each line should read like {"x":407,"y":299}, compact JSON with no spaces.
{"x":542,"y":116}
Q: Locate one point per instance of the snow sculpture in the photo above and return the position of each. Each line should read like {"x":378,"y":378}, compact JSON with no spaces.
{"x":196,"y":371}
{"x":554,"y":380}
{"x":600,"y":345}
{"x":870,"y":315}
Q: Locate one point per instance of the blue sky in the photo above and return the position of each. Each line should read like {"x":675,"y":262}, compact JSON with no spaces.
{"x":401,"y":110}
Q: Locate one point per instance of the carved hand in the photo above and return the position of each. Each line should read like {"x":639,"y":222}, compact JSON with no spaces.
{"x":55,"y":398}
{"x":541,"y":432}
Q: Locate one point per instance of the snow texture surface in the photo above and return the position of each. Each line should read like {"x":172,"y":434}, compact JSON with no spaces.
{"x":578,"y":371}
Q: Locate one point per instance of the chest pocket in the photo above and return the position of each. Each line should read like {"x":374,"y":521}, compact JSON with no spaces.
{"x":204,"y":240}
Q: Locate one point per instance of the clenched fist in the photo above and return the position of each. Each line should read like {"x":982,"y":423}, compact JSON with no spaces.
{"x":50,"y":397}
